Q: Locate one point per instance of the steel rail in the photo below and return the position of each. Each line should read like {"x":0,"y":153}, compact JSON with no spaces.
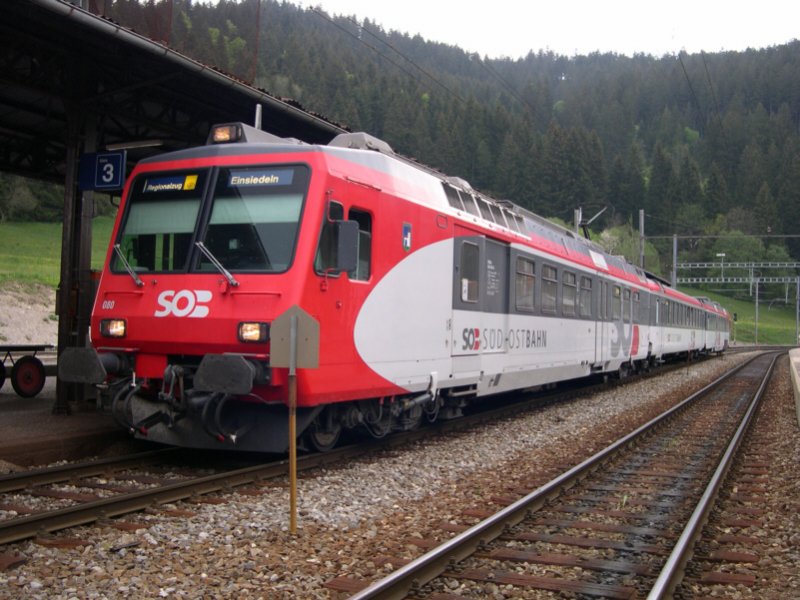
{"x":400,"y":583}
{"x":12,"y":530}
{"x":25,"y":479}
{"x":672,"y":572}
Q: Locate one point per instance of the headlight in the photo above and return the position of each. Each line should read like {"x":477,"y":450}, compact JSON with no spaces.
{"x":253,"y":333}
{"x":113,"y":328}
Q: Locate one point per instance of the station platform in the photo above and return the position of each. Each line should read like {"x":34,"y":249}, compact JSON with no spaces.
{"x":794,"y":370}
{"x":30,"y":434}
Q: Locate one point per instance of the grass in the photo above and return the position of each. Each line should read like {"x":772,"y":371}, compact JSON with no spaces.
{"x":31,"y":252}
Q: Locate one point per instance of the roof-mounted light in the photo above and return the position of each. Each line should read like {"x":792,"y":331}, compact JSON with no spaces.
{"x":235,"y":133}
{"x":225,"y":134}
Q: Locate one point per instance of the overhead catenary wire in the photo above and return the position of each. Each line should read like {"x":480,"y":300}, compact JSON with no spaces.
{"x":406,"y":58}
{"x":383,"y":55}
{"x":505,"y":84}
{"x":711,"y":89}
{"x":509,"y":88}
{"x":689,"y":83}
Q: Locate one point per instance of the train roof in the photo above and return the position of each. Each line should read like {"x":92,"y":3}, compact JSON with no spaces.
{"x":376,"y":154}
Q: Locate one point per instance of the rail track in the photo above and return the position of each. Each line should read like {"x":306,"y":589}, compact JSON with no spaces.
{"x":622,"y":524}
{"x":52,"y":499}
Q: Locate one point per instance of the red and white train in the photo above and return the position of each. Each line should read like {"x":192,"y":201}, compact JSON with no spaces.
{"x":428,"y":295}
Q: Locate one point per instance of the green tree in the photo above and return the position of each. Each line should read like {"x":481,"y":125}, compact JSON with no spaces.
{"x":765,"y":212}
{"x":660,"y":205}
{"x":716,"y":193}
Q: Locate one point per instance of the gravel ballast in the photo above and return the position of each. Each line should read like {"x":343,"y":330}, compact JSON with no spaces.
{"x":351,"y":516}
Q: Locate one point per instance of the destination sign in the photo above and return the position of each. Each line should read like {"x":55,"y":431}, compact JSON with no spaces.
{"x":260,"y":177}
{"x":173,"y":183}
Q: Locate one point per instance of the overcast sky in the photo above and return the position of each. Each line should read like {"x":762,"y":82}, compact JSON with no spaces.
{"x":513,"y":27}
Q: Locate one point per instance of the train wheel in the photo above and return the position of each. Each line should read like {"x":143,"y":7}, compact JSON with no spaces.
{"x":27,"y":376}
{"x":324,"y":432}
{"x":2,"y":374}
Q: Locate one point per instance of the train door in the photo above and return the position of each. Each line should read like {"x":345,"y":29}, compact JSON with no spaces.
{"x":602,"y":331}
{"x":657,"y":325}
{"x":588,"y":310}
{"x":480,"y":301}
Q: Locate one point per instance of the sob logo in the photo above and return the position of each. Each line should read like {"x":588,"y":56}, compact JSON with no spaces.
{"x":472,"y":339}
{"x":185,"y":303}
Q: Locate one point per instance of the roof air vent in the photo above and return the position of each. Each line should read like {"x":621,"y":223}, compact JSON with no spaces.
{"x":361,"y":141}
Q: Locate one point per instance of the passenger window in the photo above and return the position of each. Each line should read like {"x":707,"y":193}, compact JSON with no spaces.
{"x":512,"y":222}
{"x":569,"y":292}
{"x":616,"y":303}
{"x":470,"y":268}
{"x":469,"y":203}
{"x":549,"y":289}
{"x":497,"y":215}
{"x":364,"y":220}
{"x":452,"y":197}
{"x":586,"y":297}
{"x":485,"y":212}
{"x":525,"y":284}
{"x":626,"y":305}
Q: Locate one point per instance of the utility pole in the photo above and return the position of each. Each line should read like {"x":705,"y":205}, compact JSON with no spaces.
{"x":757,"y":280}
{"x":675,"y":260}
{"x":641,"y":238}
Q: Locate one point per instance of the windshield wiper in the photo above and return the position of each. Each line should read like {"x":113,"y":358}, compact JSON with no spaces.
{"x":218,"y":265}
{"x":128,"y":266}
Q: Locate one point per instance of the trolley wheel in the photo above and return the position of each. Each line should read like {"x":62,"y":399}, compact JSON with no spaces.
{"x":27,"y":376}
{"x":2,"y":374}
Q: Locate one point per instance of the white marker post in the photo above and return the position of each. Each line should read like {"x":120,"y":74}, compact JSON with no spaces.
{"x":294,"y":343}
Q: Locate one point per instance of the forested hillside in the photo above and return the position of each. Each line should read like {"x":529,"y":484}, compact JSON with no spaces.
{"x":704,"y":143}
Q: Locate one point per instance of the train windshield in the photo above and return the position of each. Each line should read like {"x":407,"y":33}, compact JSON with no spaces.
{"x":251,"y":225}
{"x":254,"y":219}
{"x":162,"y":216}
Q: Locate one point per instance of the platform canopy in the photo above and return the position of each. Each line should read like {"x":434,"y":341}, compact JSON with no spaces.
{"x":74,"y":83}
{"x":57,"y":59}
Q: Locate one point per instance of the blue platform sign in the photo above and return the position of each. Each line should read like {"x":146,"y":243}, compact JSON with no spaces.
{"x":102,"y":171}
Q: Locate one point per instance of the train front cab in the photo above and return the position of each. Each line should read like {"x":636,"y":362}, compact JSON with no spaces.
{"x":207,"y":251}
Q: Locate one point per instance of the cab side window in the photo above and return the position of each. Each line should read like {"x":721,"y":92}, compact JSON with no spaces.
{"x":364,"y":220}
{"x":326,"y":252}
